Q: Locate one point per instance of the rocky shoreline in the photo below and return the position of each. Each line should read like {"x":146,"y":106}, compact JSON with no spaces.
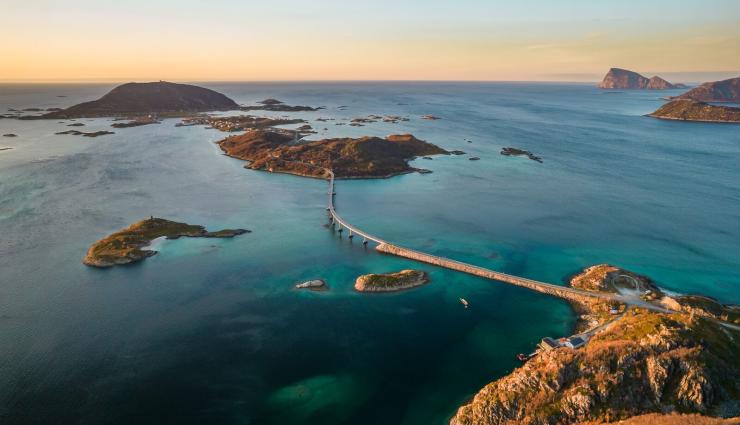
{"x":637,"y":362}
{"x":391,"y":282}
{"x":361,"y":158}
{"x":692,"y":110}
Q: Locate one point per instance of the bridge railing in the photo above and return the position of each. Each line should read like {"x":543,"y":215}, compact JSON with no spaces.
{"x":454,"y":264}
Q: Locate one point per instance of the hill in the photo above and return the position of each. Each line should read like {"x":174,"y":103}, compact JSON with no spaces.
{"x":364,"y":157}
{"x":618,"y":78}
{"x":149,"y":98}
{"x":716,"y":91}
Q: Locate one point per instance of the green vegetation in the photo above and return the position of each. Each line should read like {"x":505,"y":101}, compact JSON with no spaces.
{"x":391,"y":282}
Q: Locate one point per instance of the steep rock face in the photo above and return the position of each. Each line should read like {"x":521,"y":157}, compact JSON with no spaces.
{"x":645,"y":362}
{"x":691,"y":110}
{"x":717,"y":91}
{"x":364,"y":157}
{"x":618,"y":78}
{"x":149,"y":98}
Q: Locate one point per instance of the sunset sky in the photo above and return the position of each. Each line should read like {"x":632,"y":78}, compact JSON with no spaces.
{"x":188,"y":40}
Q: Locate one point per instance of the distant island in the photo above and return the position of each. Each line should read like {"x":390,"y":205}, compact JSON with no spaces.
{"x":618,"y":78}
{"x":365,"y":157}
{"x":692,"y":110}
{"x":635,"y":362}
{"x":275,"y":105}
{"x":391,"y":282}
{"x":125,"y":246}
{"x":717,"y":91}
{"x":149,"y":98}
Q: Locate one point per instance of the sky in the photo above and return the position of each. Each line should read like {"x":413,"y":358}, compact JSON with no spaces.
{"x":275,"y":40}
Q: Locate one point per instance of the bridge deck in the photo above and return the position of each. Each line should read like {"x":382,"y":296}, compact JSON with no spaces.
{"x":388,"y":248}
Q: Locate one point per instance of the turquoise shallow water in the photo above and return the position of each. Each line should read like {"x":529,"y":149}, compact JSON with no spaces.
{"x":212,"y":331}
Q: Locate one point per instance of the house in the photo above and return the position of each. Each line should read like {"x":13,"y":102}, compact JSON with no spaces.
{"x":548,"y":343}
{"x":575,"y":342}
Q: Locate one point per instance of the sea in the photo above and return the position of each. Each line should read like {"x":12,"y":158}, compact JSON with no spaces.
{"x":213,"y":330}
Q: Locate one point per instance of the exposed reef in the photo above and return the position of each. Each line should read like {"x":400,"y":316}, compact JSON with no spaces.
{"x":125,"y":246}
{"x":82,"y":133}
{"x":520,"y":152}
{"x":136,"y":122}
{"x":237,"y":123}
{"x":275,"y":105}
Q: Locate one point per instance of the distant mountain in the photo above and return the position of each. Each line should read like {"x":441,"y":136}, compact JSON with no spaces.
{"x":692,"y":110}
{"x":618,"y":78}
{"x":149,"y":98}
{"x":717,"y":91}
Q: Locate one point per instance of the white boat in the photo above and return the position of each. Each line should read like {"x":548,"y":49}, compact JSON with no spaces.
{"x":464,"y":302}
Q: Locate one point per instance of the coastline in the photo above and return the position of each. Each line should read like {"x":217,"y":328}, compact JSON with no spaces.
{"x":691,"y":120}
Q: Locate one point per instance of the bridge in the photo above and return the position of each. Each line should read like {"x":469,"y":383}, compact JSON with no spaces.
{"x":543,"y":287}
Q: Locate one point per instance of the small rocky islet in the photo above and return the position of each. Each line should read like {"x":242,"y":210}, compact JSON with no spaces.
{"x":313,"y":285}
{"x":82,"y":133}
{"x":520,"y":152}
{"x":391,"y":282}
{"x":126,"y":246}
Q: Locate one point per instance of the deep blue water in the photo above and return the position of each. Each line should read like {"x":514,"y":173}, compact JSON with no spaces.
{"x":211,"y":331}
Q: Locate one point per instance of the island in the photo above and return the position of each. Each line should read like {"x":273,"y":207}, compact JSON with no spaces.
{"x":618,"y":78}
{"x":137,"y":122}
{"x":692,"y":110}
{"x":716,"y":91}
{"x":275,"y":105}
{"x":640,"y":361}
{"x":162,"y":97}
{"x":391,"y":282}
{"x":364,"y":157}
{"x":520,"y":152}
{"x":237,"y":123}
{"x":10,"y":135}
{"x":82,"y":133}
{"x":125,"y":246}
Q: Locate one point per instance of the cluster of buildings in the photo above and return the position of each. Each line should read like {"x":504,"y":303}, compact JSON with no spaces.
{"x":575,"y":341}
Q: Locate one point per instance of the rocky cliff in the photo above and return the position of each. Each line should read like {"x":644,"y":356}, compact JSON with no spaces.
{"x":645,"y":362}
{"x":149,"y":98}
{"x":618,"y":78}
{"x":717,"y":91}
{"x":642,"y":362}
